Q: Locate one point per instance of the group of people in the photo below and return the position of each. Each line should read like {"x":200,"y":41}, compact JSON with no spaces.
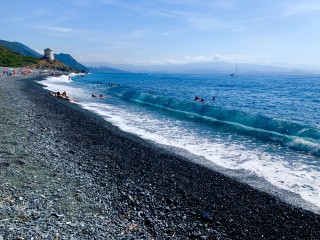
{"x":95,"y":96}
{"x":197,"y":98}
{"x":113,"y":84}
{"x":62,"y":95}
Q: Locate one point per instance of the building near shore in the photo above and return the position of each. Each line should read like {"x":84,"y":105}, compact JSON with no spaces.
{"x":48,"y":54}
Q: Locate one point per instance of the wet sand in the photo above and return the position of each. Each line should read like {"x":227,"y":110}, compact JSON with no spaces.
{"x":66,"y":173}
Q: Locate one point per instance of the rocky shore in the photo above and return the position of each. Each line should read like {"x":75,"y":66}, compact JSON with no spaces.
{"x":67,"y":174}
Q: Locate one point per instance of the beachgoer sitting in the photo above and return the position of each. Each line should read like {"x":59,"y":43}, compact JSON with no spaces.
{"x":62,"y":95}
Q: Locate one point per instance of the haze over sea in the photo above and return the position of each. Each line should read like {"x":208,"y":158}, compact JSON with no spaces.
{"x":264,"y":126}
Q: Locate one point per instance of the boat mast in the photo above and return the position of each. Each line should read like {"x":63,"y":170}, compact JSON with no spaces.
{"x":235,"y":73}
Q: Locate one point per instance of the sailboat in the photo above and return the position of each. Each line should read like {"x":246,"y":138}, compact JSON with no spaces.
{"x":235,"y":73}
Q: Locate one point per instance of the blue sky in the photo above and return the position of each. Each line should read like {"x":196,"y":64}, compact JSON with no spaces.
{"x":168,"y":31}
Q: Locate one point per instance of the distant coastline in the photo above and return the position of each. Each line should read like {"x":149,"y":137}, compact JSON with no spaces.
{"x":213,"y":67}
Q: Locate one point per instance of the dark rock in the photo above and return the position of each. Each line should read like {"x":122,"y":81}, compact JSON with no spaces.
{"x":4,"y":164}
{"x":20,"y":162}
{"x":206,"y":216}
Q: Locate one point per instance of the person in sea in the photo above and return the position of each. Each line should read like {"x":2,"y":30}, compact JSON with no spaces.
{"x":95,"y":96}
{"x":199,"y":99}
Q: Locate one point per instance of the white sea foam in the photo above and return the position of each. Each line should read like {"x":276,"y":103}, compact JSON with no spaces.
{"x":297,"y":178}
{"x":63,"y":83}
{"x":226,"y":152}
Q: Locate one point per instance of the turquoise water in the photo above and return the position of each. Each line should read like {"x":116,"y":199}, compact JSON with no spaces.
{"x":268,"y":126}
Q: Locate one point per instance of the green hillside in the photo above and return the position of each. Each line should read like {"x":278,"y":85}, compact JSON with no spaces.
{"x":20,"y":48}
{"x":9,"y":58}
{"x":23,"y":50}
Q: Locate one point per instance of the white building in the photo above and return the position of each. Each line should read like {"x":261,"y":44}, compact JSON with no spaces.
{"x":48,"y":54}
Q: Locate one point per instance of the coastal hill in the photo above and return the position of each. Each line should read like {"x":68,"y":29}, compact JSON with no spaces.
{"x":20,"y":48}
{"x":12,"y":59}
{"x":106,"y":69}
{"x":69,"y":60}
{"x":23,"y":50}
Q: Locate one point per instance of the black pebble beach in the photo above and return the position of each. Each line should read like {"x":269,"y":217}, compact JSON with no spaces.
{"x":68,"y":174}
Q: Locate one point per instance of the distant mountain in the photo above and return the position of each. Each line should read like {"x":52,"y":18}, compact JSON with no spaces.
{"x":214,"y":67}
{"x":105,"y":70}
{"x":20,"y":48}
{"x":69,"y":60}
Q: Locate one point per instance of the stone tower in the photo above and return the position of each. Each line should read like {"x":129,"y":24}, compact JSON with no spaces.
{"x":48,"y":54}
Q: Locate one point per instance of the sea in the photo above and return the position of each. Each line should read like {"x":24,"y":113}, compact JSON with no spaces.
{"x":263,"y":130}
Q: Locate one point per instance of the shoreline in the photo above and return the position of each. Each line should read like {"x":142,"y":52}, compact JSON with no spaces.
{"x":99,"y":182}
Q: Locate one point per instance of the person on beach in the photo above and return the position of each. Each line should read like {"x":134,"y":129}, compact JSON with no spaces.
{"x":55,"y":94}
{"x":64,"y":95}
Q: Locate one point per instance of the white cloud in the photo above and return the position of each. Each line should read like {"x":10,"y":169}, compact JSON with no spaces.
{"x":57,"y":29}
{"x":194,"y":59}
{"x":216,"y":57}
{"x":200,"y":3}
{"x":200,"y":21}
{"x":301,"y":8}
{"x":219,"y":57}
{"x":167,"y":33}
